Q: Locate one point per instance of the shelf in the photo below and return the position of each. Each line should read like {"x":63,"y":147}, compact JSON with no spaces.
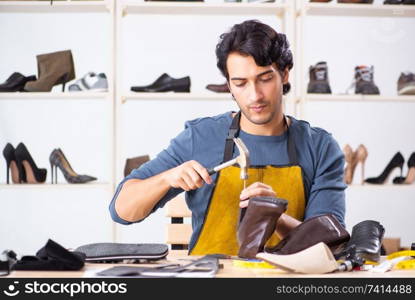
{"x":53,"y":95}
{"x":359,"y":97}
{"x":171,"y":8}
{"x":400,"y":187}
{"x":57,"y":6}
{"x":358,"y":10}
{"x":177,"y":96}
{"x":99,"y":185}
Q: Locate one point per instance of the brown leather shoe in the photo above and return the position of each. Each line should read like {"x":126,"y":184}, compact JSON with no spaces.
{"x":134,"y":163}
{"x":258,"y":224}
{"x":218,"y":88}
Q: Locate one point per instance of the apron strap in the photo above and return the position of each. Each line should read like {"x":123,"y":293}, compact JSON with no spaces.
{"x":292,"y":152}
{"x":234,"y":132}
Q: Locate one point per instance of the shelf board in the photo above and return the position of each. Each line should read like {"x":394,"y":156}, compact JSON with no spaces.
{"x":202,"y":8}
{"x":366,"y":186}
{"x":177,"y":96}
{"x":53,"y":95}
{"x":57,"y":6}
{"x":358,"y":10}
{"x":99,"y":185}
{"x":358,"y":97}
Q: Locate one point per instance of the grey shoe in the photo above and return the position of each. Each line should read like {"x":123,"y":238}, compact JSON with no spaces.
{"x":90,"y":82}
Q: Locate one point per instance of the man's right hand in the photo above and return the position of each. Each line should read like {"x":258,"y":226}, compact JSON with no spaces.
{"x":188,"y":176}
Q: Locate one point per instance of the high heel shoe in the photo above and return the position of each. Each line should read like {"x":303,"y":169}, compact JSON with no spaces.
{"x":350,"y":157}
{"x":53,"y":69}
{"x":396,"y":162}
{"x":11,"y":163}
{"x":25,"y":162}
{"x":353,"y":158}
{"x":58,"y":159}
{"x":410,"y":177}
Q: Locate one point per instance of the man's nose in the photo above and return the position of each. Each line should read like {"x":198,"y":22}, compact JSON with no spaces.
{"x":255,"y":93}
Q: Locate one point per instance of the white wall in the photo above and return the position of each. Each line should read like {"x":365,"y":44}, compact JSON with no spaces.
{"x":180,"y":45}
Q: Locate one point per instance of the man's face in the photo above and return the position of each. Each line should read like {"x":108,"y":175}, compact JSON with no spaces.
{"x":257,"y":90}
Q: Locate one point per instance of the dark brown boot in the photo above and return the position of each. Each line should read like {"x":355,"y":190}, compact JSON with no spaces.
{"x":134,"y":163}
{"x":258,"y":224}
{"x":53,"y":69}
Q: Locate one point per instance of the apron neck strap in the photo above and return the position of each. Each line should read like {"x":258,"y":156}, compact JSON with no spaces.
{"x":234,"y":132}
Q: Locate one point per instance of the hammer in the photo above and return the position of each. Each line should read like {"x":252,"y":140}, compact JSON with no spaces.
{"x":242,"y":160}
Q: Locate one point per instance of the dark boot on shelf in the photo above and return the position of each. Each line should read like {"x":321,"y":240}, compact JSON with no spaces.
{"x":25,"y":162}
{"x":406,"y":84}
{"x":58,"y":160}
{"x":15,"y":83}
{"x":165,"y":83}
{"x":396,"y":162}
{"x":319,"y":79}
{"x":364,"y":83}
{"x":53,"y":69}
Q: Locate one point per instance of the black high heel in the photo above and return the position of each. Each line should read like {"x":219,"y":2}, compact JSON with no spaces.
{"x":17,"y":175}
{"x":410,"y":177}
{"x":396,"y":162}
{"x":58,"y":160}
{"x":25,"y":162}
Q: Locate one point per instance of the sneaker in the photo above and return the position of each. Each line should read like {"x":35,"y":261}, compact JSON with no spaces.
{"x":363,"y":81}
{"x":90,"y":82}
{"x":406,"y":84}
{"x":319,"y":81}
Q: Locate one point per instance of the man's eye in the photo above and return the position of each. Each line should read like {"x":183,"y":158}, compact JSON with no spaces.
{"x":265,"y":79}
{"x":240,"y":84}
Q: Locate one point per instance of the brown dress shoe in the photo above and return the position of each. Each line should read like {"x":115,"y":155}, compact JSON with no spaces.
{"x":218,"y":88}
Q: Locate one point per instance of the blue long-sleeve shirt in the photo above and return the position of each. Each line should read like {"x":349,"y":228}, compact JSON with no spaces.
{"x":203,"y":140}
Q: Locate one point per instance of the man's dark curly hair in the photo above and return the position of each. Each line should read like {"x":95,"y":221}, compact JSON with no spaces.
{"x":258,"y":40}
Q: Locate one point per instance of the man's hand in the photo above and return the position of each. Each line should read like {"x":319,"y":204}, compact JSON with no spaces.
{"x":254,"y":190}
{"x":188,"y":176}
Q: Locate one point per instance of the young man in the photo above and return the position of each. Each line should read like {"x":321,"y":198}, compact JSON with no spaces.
{"x":289,"y":158}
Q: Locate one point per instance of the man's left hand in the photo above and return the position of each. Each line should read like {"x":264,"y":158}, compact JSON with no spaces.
{"x":254,"y":190}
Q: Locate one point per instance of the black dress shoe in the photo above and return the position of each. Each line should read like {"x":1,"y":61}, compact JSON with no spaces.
{"x":165,"y":83}
{"x":15,"y":83}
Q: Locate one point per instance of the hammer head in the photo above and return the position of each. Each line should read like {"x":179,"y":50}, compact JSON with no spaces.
{"x":243,"y":158}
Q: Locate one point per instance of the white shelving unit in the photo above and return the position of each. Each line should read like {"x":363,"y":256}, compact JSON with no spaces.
{"x":305,"y":9}
{"x":356,"y":10}
{"x":66,"y":6}
{"x":292,"y":14}
{"x":358,"y":98}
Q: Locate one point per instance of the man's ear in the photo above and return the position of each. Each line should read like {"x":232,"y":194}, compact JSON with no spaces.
{"x":285,"y":76}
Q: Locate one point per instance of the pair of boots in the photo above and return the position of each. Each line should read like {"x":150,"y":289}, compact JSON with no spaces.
{"x":260,"y":221}
{"x":53,"y":69}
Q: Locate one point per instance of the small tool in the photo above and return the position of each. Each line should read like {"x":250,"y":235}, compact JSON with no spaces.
{"x":242,"y":160}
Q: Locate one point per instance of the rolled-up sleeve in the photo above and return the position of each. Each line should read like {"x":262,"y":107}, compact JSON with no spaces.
{"x":327,"y":192}
{"x":179,"y":151}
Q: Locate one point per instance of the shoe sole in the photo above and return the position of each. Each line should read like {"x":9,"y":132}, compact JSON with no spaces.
{"x":408,"y":90}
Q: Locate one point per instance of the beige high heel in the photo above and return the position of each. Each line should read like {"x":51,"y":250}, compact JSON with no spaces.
{"x":361,"y":155}
{"x":352,"y":159}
